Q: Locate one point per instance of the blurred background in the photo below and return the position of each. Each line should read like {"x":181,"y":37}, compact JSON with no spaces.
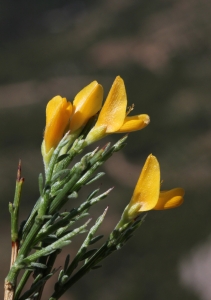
{"x":162,"y":51}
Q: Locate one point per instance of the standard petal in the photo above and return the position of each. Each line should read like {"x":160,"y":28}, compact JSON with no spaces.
{"x":86,"y":104}
{"x":134,"y":123}
{"x":58,"y":112}
{"x":113,"y":112}
{"x":170,"y":199}
{"x":147,"y":189}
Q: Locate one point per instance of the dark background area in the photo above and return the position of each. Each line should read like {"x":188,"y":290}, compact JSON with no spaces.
{"x":162,"y":51}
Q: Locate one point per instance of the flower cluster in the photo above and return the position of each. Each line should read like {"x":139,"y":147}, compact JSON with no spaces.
{"x":62,"y":116}
{"x":69,"y":129}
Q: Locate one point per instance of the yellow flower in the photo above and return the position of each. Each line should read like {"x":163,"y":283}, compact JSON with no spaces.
{"x":85,"y":105}
{"x":62,"y":116}
{"x":58,"y":112}
{"x":113,"y":116}
{"x":147,"y":195}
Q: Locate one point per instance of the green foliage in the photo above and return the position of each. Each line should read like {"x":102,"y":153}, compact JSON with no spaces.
{"x":48,"y":230}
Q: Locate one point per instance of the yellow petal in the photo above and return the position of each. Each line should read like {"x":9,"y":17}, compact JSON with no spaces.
{"x":113,"y":112}
{"x":58,"y":112}
{"x":134,"y":123}
{"x":86,"y":104}
{"x":170,"y":199}
{"x":147,"y":189}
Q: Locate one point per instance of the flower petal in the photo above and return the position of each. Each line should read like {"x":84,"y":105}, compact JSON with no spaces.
{"x":170,"y":199}
{"x":147,"y":189}
{"x":86,"y":104}
{"x":113,"y":112}
{"x":134,"y":123}
{"x":58,"y":112}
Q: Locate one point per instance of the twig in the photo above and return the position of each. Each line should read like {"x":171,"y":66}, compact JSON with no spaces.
{"x":14,"y":211}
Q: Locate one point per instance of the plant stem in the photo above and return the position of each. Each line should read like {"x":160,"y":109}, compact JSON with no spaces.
{"x":99,"y":255}
{"x":50,"y":263}
{"x":22,"y":283}
{"x":14,"y":211}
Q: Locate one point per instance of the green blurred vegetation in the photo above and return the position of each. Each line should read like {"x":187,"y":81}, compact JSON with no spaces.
{"x":162,"y":51}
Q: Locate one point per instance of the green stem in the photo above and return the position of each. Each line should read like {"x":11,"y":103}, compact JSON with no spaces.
{"x":76,"y":148}
{"x":14,"y":208}
{"x":60,"y":199}
{"x":60,"y":243}
{"x":27,"y":244}
{"x":22,"y":283}
{"x":45,"y":272}
{"x":14,"y":271}
{"x":30,"y":220}
{"x":98,"y":256}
